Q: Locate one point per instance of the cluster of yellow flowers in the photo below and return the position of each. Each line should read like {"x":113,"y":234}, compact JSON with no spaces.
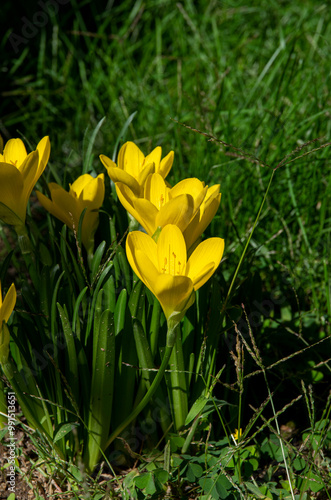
{"x":168,"y":258}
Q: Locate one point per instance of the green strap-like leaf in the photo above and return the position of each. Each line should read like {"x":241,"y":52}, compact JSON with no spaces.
{"x":102,"y":389}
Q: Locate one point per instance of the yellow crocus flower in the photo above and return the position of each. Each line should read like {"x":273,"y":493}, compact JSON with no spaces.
{"x":86,"y":192}
{"x":133,"y":167}
{"x":19,"y":173}
{"x":163,"y":267}
{"x":203,"y":216}
{"x":236,"y":435}
{"x":162,"y":205}
{"x":6,"y":308}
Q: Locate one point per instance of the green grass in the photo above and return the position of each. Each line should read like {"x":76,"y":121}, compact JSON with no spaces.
{"x":254,"y":75}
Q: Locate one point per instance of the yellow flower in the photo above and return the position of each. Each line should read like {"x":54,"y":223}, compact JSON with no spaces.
{"x":237,"y":434}
{"x":19,"y":172}
{"x":6,"y":308}
{"x":165,"y":270}
{"x":86,"y":192}
{"x":203,"y":216}
{"x":162,"y":205}
{"x":133,"y":167}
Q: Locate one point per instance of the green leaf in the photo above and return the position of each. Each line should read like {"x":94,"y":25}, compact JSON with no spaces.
{"x":143,"y":351}
{"x":76,"y":308}
{"x":87,"y":164}
{"x":146,"y":482}
{"x":315,"y":483}
{"x":161,"y":475}
{"x":208,"y":485}
{"x":102,"y":389}
{"x":125,"y":268}
{"x":71,"y":373}
{"x":193,"y":472}
{"x":255,"y":490}
{"x":120,"y":311}
{"x":63,"y":430}
{"x":136,"y":296}
{"x":196,"y":408}
{"x":97,"y":259}
{"x":299,"y":463}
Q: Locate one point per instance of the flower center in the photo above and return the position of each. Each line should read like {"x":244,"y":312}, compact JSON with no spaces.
{"x":14,"y":162}
{"x":172,"y":265}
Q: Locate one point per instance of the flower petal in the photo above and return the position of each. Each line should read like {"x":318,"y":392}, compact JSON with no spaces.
{"x":62,"y":205}
{"x":171,"y":251}
{"x":118,"y":175}
{"x":29,"y":169}
{"x":154,"y":157}
{"x":89,"y":227}
{"x":204,"y":261}
{"x":44,"y":150}
{"x":166,"y":164}
{"x":15,"y":152}
{"x":141,"y":251}
{"x":142,"y":210}
{"x":12,"y":206}
{"x":131,"y":159}
{"x":177,"y":211}
{"x":191,"y":186}
{"x":90,"y":190}
{"x":8,"y":304}
{"x":174,"y":294}
{"x":156,"y":190}
{"x":146,"y":171}
{"x":202,"y":218}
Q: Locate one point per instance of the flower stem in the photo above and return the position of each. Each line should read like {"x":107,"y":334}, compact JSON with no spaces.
{"x":178,"y":385}
{"x":23,"y":239}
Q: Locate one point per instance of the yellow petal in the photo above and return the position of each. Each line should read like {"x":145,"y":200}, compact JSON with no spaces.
{"x":44,"y":150}
{"x":118,"y":175}
{"x":202,"y":219}
{"x":8,"y":304}
{"x":171,"y":251}
{"x":204,"y":261}
{"x":78,"y":186}
{"x":166,"y":164}
{"x":175,"y":294}
{"x":131,"y":159}
{"x":177,"y":211}
{"x":107,"y":162}
{"x":90,"y":190}
{"x":15,"y":152}
{"x":142,"y":210}
{"x":146,"y":215}
{"x":154,"y":157}
{"x":62,"y":205}
{"x":146,"y":171}
{"x":12,"y":204}
{"x":141,"y":251}
{"x":29,"y":170}
{"x":89,"y":227}
{"x":191,"y":186}
{"x":156,"y":190}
